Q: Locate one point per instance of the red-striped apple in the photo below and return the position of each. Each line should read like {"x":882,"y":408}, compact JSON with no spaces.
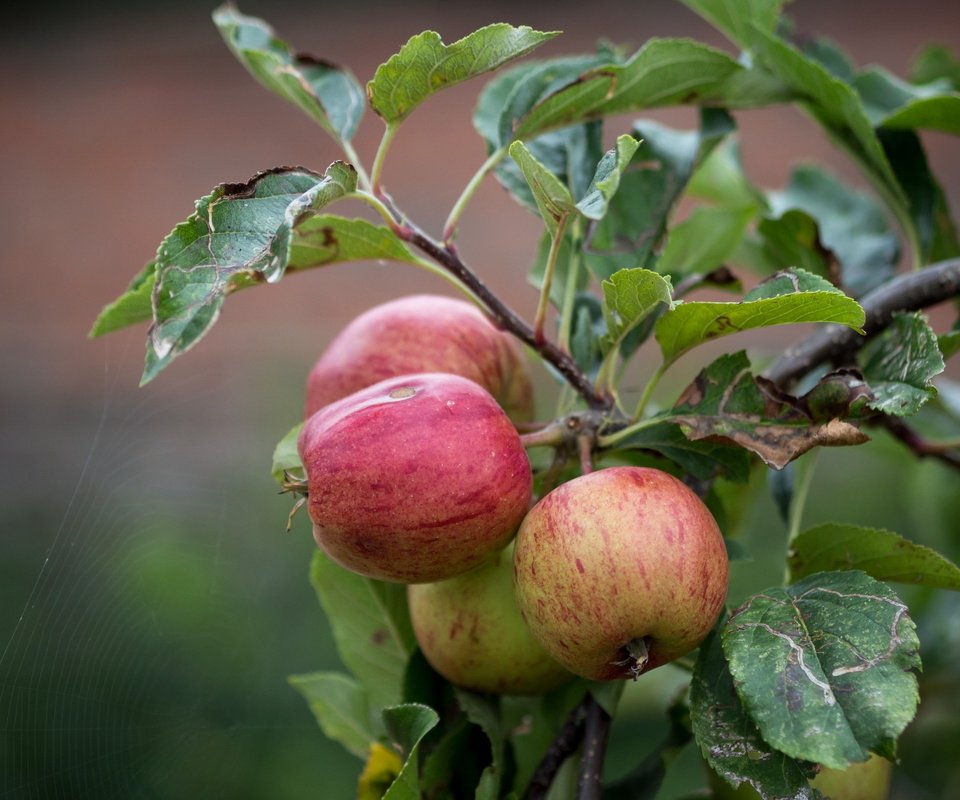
{"x":620,"y":571}
{"x":414,"y":479}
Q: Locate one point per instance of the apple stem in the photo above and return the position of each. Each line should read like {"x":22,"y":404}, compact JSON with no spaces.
{"x":585,"y":448}
{"x":552,"y":435}
{"x":596,"y":733}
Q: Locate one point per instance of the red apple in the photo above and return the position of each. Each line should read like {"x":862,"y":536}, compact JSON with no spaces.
{"x":414,"y":479}
{"x":422,"y":333}
{"x":470,"y":630}
{"x":620,"y":571}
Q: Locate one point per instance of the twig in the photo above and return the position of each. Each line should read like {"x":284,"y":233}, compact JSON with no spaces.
{"x":508,"y":320}
{"x":596,"y":732}
{"x":909,"y":292}
{"x":563,"y":746}
{"x":921,"y":446}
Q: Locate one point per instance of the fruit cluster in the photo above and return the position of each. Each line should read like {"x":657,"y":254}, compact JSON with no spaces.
{"x":416,"y":474}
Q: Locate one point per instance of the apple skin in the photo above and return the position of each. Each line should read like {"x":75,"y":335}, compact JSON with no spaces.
{"x":866,"y":780}
{"x":470,"y":630}
{"x":414,"y":479}
{"x":422,"y":333}
{"x":620,"y":554}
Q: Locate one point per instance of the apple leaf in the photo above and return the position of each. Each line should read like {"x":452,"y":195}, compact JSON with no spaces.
{"x":703,"y":241}
{"x":370,"y":625}
{"x":132,"y":307}
{"x":900,"y":363}
{"x":849,"y":224}
{"x":629,"y":297}
{"x":406,"y":726}
{"x":606,"y":179}
{"x":883,"y":555}
{"x":483,"y":710}
{"x":238,"y":235}
{"x":425,"y":65}
{"x":729,"y":739}
{"x":737,"y":20}
{"x":342,"y":709}
{"x":799,"y":297}
{"x":381,"y":769}
{"x":704,"y":459}
{"x":727,"y":403}
{"x":721,"y":180}
{"x":949,"y":343}
{"x":553,"y":198}
{"x":327,"y":93}
{"x":928,"y":205}
{"x":328,"y":239}
{"x":825,"y":667}
{"x":935,"y":63}
{"x":653,"y":182}
{"x":286,"y":457}
{"x":663,"y":72}
{"x":891,"y":102}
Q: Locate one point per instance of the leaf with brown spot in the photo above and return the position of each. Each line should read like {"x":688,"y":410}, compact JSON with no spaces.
{"x":727,"y":403}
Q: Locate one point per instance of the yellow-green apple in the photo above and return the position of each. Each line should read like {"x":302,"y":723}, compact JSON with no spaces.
{"x":422,"y":333}
{"x":620,"y":571}
{"x":865,"y":780}
{"x":414,"y":479}
{"x":470,"y":630}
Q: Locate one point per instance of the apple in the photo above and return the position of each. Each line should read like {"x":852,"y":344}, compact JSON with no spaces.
{"x":414,"y":479}
{"x":422,"y":333}
{"x":620,"y":571}
{"x":865,"y":780}
{"x":470,"y":630}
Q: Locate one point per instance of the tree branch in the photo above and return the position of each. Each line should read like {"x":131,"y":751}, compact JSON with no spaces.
{"x":561,"y":748}
{"x":910,"y":292}
{"x":507,"y":319}
{"x":596,"y":732}
{"x":921,"y":446}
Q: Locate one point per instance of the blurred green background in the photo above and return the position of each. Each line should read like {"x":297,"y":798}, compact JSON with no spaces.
{"x":151,"y":605}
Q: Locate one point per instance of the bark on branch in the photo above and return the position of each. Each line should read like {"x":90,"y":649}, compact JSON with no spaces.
{"x":834,"y":343}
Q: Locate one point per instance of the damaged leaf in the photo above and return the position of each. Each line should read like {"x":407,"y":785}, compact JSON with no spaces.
{"x":825,"y":667}
{"x":728,"y":403}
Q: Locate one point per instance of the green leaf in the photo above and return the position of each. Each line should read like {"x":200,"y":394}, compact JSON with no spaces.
{"x":729,"y":739}
{"x":949,"y":343}
{"x":663,"y":72}
{"x":484,"y":711}
{"x":692,"y":323}
{"x":833,"y":103}
{"x":371,"y":626}
{"x":703,"y":241}
{"x":239,"y":234}
{"x":704,"y":459}
{"x":606,"y":179}
{"x":636,"y":221}
{"x":328,"y":239}
{"x":553,"y":199}
{"x":850,"y":225}
{"x":407,"y":725}
{"x":726,"y":403}
{"x":928,"y":206}
{"x":935,"y":63}
{"x":900,"y":363}
{"x":721,"y":179}
{"x":825,"y":667}
{"x":891,"y":102}
{"x":327,"y":93}
{"x":425,"y":65}
{"x":342,"y":709}
{"x":883,"y":555}
{"x":286,"y":458}
{"x":133,"y":306}
{"x":629,"y":297}
{"x":736,"y":20}
{"x":587,"y":332}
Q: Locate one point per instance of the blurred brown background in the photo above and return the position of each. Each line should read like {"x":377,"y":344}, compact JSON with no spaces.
{"x":150,"y":605}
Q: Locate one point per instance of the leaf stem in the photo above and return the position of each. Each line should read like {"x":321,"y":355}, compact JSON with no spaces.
{"x":648,"y":390}
{"x":570,"y":290}
{"x":612,"y":439}
{"x":379,"y":206}
{"x":544,"y":302}
{"x":377,"y":172}
{"x":354,"y":160}
{"x":453,"y":220}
